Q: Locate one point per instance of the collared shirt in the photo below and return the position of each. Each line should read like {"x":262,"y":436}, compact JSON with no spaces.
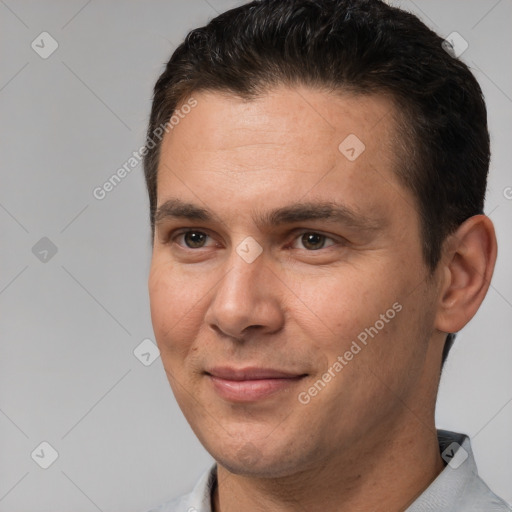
{"x":458,"y":488}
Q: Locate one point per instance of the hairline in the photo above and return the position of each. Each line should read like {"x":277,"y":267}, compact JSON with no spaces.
{"x":403,"y":134}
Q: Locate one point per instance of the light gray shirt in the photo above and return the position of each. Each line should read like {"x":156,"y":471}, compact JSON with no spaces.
{"x":458,"y":488}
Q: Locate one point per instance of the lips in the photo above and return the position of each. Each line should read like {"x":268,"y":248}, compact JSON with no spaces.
{"x":250,"y":384}
{"x":228,"y":373}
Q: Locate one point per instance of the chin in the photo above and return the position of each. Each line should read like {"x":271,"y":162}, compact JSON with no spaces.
{"x":259,"y":469}
{"x":248,"y":460}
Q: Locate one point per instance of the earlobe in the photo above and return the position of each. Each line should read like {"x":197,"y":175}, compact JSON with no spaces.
{"x":468,"y":264}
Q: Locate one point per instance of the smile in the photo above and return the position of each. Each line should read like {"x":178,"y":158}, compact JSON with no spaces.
{"x":251,"y":384}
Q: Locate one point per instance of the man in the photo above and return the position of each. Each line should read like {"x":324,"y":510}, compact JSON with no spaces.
{"x":316,"y":173}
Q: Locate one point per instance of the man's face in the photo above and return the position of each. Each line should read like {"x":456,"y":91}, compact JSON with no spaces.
{"x":290,"y":336}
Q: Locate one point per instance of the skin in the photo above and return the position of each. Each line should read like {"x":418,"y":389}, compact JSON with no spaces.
{"x":367,"y":440}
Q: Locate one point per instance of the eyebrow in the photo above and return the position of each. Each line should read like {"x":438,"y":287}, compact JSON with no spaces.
{"x":298,"y":212}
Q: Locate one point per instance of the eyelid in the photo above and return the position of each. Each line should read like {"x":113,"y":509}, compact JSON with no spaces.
{"x":301,"y":231}
{"x":293,"y":236}
{"x":182,"y":231}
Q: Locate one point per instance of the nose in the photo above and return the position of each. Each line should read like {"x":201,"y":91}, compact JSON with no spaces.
{"x":246,"y":300}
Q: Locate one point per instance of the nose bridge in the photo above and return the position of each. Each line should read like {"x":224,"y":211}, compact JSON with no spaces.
{"x":242,"y":285}
{"x":245,"y":296}
{"x":246,"y":264}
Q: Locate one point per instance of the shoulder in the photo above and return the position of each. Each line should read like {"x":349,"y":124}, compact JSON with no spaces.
{"x":170,"y":506}
{"x":198,"y":500}
{"x":458,"y":487}
{"x":480,"y":497}
{"x":476,"y":494}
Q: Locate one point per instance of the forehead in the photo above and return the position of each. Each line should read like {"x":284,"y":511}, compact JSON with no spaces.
{"x":299,"y":117}
{"x":287,"y":143}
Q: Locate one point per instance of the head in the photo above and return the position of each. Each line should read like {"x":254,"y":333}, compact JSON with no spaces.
{"x":316,"y":208}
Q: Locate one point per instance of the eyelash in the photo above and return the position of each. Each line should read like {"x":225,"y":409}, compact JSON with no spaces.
{"x":181,"y":233}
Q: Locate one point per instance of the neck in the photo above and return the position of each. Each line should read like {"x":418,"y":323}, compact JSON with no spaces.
{"x":386,"y":474}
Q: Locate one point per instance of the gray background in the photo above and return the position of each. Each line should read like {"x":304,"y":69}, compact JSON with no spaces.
{"x":70,"y":324}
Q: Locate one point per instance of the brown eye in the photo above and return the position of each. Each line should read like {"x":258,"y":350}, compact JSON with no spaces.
{"x":194,"y":239}
{"x":313,"y":241}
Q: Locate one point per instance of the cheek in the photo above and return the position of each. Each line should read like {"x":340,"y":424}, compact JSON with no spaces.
{"x":369,"y":315}
{"x":342,"y":302}
{"x":176,"y":304}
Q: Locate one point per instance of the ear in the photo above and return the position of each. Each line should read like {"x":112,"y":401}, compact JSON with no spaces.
{"x":468,"y":263}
